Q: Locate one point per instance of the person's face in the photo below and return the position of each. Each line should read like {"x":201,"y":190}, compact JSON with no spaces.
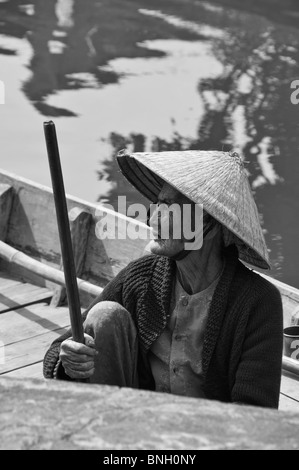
{"x":169,"y":245}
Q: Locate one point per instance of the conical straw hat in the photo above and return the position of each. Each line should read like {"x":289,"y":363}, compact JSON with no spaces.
{"x":217,"y":180}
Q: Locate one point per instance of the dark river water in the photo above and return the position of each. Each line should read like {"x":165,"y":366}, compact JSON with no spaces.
{"x":156,"y":75}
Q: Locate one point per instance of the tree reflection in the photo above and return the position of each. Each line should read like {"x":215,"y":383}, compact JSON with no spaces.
{"x":72,"y":38}
{"x":251,"y":98}
{"x":247,"y":108}
{"x":110,"y":170}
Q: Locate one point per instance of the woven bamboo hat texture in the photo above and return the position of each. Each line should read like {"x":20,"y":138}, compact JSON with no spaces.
{"x":217,"y":180}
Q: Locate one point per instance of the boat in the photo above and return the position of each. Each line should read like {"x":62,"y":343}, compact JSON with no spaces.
{"x":32,"y":294}
{"x":33,"y":310}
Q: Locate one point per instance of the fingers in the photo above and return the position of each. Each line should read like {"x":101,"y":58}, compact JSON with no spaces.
{"x":75,"y":368}
{"x":67,"y":355}
{"x":89,"y":341}
{"x":78,"y":359}
{"x":70,"y":346}
{"x":75,"y":374}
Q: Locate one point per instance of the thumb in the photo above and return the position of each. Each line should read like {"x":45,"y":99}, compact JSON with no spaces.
{"x":89,"y":341}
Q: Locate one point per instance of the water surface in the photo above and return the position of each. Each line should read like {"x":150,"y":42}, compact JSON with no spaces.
{"x":159,"y":75}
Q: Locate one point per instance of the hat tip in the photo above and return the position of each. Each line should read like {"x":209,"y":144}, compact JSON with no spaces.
{"x":123,"y":153}
{"x":238,"y":159}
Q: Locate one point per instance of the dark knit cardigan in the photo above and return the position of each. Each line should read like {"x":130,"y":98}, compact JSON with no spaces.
{"x":243,"y":342}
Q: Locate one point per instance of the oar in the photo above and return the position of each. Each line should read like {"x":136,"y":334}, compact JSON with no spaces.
{"x":64,"y":232}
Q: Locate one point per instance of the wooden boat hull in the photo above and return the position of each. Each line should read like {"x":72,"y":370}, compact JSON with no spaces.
{"x":28,"y":223}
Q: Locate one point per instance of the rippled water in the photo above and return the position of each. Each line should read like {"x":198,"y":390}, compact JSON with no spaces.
{"x":159,"y":75}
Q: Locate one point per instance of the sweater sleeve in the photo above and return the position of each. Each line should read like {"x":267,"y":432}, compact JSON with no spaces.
{"x":52,"y":368}
{"x":258,"y":376}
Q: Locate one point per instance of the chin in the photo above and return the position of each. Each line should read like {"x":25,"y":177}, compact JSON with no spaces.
{"x":157,"y":247}
{"x":162,"y":248}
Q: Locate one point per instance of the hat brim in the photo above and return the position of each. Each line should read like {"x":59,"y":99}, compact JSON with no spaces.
{"x":149,"y":184}
{"x":144,"y":180}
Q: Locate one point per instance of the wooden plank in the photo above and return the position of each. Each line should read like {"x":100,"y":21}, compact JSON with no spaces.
{"x":106,"y":257}
{"x":64,"y":415}
{"x":26,"y":275}
{"x":20,"y":259}
{"x":27,"y":352}
{"x":31,"y":321}
{"x":6,"y":197}
{"x":34,"y":371}
{"x":22,"y":294}
{"x":288,"y":404}
{"x":7,"y":282}
{"x":32,"y":225}
{"x":33,"y":230}
{"x":80,"y":222}
{"x":290,"y":385}
{"x":17,"y":291}
{"x":14,"y":293}
{"x":289,"y":392}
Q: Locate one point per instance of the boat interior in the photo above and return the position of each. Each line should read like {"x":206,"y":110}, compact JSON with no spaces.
{"x":33,"y":310}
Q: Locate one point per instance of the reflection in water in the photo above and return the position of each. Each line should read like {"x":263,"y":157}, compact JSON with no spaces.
{"x":110,"y":170}
{"x":64,"y":11}
{"x":168,"y":76}
{"x":264,"y":160}
{"x":200,"y":29}
{"x":28,"y":9}
{"x":248,"y":108}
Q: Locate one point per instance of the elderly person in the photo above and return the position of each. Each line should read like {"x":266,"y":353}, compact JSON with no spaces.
{"x":193,"y":322}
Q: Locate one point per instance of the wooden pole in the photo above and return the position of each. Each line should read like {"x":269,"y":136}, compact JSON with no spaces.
{"x":291,"y":365}
{"x":64,"y":232}
{"x":11,"y":255}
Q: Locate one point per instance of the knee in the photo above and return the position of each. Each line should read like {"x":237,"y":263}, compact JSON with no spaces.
{"x":107,"y":314}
